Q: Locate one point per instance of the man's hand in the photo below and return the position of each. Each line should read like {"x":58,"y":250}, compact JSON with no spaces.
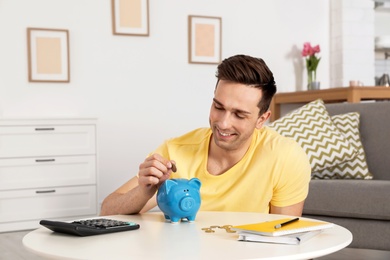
{"x":136,"y":194}
{"x":153,"y":172}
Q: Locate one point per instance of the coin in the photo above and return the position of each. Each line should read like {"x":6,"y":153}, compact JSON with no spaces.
{"x":173,"y":168}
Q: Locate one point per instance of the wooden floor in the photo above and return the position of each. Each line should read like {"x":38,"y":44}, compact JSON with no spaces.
{"x":11,"y":248}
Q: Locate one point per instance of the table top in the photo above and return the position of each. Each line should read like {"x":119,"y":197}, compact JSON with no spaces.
{"x":158,"y":239}
{"x":350,"y":94}
{"x":331,"y":95}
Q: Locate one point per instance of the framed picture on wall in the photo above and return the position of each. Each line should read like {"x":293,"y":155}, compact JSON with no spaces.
{"x":48,"y":55}
{"x":204,"y":37}
{"x":130,"y":17}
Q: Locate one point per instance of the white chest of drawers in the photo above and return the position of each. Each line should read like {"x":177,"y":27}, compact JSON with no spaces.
{"x":47,"y":171}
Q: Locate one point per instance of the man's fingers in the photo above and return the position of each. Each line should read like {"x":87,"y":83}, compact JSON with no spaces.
{"x":155,"y":170}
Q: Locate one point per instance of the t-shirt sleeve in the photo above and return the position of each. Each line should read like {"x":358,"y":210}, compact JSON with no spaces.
{"x":292,"y":184}
{"x":162,"y":150}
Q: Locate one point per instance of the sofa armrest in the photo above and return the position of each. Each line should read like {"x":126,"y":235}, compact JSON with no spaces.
{"x":366,"y":199}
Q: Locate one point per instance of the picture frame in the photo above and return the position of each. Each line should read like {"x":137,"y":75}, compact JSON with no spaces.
{"x":130,"y":17}
{"x":48,"y":55}
{"x":204,"y":39}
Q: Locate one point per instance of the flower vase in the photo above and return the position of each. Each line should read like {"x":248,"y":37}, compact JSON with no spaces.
{"x":312,"y":84}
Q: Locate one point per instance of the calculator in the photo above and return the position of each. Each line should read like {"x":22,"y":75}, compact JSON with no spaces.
{"x":89,"y":227}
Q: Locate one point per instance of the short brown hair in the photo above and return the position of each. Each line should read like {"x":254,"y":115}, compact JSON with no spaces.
{"x":250,"y":71}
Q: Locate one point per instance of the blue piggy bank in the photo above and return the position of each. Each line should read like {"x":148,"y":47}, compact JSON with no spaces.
{"x":179,"y":198}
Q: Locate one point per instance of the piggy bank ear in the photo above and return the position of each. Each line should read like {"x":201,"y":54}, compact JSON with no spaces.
{"x":195,"y":182}
{"x":168,"y":184}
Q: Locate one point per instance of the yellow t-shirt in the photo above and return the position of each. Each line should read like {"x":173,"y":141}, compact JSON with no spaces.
{"x":275,"y":170}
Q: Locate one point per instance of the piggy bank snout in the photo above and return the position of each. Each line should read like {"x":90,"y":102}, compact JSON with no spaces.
{"x":187,"y":203}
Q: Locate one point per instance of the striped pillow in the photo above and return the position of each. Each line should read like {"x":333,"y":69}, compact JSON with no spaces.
{"x":348,"y":124}
{"x":313,"y":129}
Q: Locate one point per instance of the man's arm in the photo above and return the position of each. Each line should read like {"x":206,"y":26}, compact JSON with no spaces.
{"x":138,"y":194}
{"x":293,"y":185}
{"x":130,"y":198}
{"x":293,"y":210}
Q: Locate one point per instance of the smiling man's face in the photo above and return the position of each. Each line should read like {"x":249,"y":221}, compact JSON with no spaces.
{"x":234,"y":115}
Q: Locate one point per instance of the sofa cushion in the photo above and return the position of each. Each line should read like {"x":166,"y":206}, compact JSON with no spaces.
{"x":348,"y":124}
{"x":349,"y":198}
{"x":313,"y":129}
{"x":374,"y":127}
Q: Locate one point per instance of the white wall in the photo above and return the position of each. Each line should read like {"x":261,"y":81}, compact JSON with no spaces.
{"x":142,"y":89}
{"x":382,"y":28}
{"x":352,"y":49}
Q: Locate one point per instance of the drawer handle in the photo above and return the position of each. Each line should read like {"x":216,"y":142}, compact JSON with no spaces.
{"x":45,"y":160}
{"x":45,"y":191}
{"x":45,"y":129}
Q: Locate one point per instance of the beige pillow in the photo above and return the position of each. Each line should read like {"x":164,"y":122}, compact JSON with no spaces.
{"x":348,"y":124}
{"x":313,"y":129}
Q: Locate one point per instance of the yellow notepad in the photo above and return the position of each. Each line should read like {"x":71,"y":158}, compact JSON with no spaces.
{"x":268,"y":228}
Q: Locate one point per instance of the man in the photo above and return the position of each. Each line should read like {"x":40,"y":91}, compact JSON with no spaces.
{"x":243,"y":165}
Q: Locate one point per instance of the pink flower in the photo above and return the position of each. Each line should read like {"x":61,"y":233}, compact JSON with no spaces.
{"x":308,"y":50}
{"x":311,"y":59}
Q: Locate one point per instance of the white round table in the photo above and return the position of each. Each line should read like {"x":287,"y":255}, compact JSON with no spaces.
{"x":157,"y":239}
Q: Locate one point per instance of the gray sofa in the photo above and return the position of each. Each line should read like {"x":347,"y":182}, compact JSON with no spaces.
{"x":362,"y":206}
